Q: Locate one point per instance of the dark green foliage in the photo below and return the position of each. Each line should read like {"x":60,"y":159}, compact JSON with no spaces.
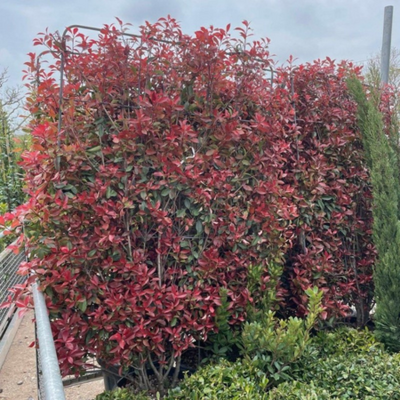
{"x":121,"y":394}
{"x":264,"y":290}
{"x":345,"y":364}
{"x":223,"y":381}
{"x":298,"y":391}
{"x":272,"y":345}
{"x":383,"y":164}
{"x":342,"y":341}
{"x":224,"y":341}
{"x":341,"y":364}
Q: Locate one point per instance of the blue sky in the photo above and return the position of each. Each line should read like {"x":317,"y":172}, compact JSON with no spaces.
{"x":306,"y":29}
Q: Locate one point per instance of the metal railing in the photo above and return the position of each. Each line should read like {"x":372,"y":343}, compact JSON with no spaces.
{"x":50,"y":385}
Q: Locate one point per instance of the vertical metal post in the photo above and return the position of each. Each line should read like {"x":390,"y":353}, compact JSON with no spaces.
{"x":52,"y":382}
{"x":386,"y":44}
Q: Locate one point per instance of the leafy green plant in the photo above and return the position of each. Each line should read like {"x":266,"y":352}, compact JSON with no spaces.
{"x":272,"y":345}
{"x":343,"y":364}
{"x":223,"y":342}
{"x":264,"y":289}
{"x":11,"y":174}
{"x":223,"y":381}
{"x":298,"y":391}
{"x":344,"y":340}
{"x":121,"y":394}
{"x":369,"y":376}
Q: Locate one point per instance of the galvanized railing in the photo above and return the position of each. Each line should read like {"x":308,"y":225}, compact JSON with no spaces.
{"x":49,"y":381}
{"x":50,"y":385}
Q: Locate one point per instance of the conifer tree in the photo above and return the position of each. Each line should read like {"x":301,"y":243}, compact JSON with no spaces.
{"x":382,"y":162}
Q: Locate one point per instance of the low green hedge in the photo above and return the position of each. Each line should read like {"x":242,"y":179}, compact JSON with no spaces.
{"x":343,"y":364}
{"x":223,"y":381}
{"x":121,"y":394}
{"x":298,"y":391}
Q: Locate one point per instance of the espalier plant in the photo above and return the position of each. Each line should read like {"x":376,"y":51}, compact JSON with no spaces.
{"x":180,"y":167}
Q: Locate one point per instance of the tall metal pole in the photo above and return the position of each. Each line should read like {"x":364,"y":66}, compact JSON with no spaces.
{"x":386,"y":43}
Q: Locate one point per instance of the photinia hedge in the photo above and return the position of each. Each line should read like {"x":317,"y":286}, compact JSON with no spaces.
{"x":327,"y":168}
{"x":179,"y":164}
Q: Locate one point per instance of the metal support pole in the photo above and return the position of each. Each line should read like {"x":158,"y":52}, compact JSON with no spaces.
{"x":52,"y":382}
{"x":386,"y":44}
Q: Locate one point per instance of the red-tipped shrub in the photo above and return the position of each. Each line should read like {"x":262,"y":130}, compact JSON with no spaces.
{"x":178,"y":165}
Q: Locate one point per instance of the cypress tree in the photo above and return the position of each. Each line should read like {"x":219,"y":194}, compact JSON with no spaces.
{"x":382,"y":161}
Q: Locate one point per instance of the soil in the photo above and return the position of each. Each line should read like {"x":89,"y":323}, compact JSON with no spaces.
{"x":18,"y":375}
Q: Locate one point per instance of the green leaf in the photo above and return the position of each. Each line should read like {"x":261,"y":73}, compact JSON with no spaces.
{"x":180,"y":213}
{"x":82,"y":305}
{"x":110,"y":193}
{"x":165,"y":192}
{"x":199,"y":226}
{"x":95,"y":149}
{"x":89,"y":335}
{"x":49,"y":292}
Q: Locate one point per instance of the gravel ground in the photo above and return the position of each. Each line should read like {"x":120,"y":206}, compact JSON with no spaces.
{"x":18,"y":375}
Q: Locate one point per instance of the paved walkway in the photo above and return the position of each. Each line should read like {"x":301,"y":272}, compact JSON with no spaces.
{"x":18,"y":375}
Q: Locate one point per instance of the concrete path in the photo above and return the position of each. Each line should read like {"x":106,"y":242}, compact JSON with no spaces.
{"x":18,"y":374}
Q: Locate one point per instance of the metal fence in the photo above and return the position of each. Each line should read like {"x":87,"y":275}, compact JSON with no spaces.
{"x":9,"y":263}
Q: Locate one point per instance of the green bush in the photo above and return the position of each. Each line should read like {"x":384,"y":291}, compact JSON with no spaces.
{"x":298,"y":391}
{"x":223,"y":381}
{"x":375,"y":376}
{"x":272,"y":345}
{"x":344,"y":364}
{"x":344,"y":340}
{"x":221,"y":344}
{"x":121,"y":394}
{"x":341,"y":364}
